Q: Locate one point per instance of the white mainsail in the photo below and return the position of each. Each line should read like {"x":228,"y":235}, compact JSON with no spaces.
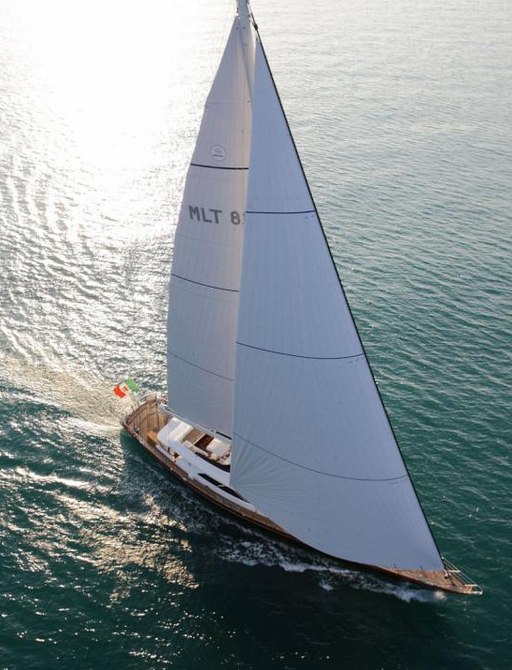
{"x":205,"y":277}
{"x":312,"y":445}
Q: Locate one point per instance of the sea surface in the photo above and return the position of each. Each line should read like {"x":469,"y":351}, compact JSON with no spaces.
{"x":402,"y":113}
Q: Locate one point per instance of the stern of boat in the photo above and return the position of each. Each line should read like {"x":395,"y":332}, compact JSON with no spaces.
{"x":146,"y":420}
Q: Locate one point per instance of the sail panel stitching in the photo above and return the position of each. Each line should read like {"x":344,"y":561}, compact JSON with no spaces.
{"x":217,"y":288}
{"x":284,"y":353}
{"x":184,"y":360}
{"x":322,"y":472}
{"x":304,"y":211}
{"x":217,"y":167}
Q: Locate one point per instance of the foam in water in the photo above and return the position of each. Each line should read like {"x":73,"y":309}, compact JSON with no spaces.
{"x":258,"y":552}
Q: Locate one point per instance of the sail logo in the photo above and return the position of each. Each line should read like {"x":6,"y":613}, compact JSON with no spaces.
{"x":211,"y":215}
{"x":217,"y":152}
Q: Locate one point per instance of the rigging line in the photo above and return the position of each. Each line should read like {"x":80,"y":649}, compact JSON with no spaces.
{"x":317,"y":358}
{"x":322,"y":472}
{"x":184,"y":360}
{"x":217,"y":167}
{"x":255,"y":25}
{"x":199,"y":283}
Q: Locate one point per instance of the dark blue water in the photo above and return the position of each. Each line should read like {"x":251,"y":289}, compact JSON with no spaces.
{"x":402,"y":113}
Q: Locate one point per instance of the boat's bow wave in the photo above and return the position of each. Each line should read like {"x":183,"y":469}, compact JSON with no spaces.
{"x":255,"y":552}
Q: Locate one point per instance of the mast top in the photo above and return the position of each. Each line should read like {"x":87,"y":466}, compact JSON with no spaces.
{"x":245,"y":14}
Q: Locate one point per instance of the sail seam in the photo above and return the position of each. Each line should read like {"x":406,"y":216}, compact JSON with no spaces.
{"x":322,"y":472}
{"x":217,"y":167}
{"x":284,"y":353}
{"x":303,"y":211}
{"x":184,"y":360}
{"x":199,"y":283}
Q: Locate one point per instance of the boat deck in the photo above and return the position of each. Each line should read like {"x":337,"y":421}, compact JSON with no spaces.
{"x":202,"y":470}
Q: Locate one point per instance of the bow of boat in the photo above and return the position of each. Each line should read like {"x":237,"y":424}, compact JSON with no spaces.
{"x":451,"y":579}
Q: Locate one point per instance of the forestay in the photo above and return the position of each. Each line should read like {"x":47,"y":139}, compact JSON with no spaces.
{"x":205,"y":277}
{"x":312,"y":446}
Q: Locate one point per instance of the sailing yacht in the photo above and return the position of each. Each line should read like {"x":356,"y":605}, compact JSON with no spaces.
{"x":272,"y":412}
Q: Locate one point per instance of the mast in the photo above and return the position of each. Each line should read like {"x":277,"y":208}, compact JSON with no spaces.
{"x":245,"y":19}
{"x":244,"y":16}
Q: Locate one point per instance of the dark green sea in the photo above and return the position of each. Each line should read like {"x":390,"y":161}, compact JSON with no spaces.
{"x":402,"y":112}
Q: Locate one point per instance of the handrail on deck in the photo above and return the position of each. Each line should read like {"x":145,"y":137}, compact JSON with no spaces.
{"x":452,"y":569}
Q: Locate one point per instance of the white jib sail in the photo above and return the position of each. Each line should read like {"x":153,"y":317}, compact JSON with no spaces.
{"x":312,"y":446}
{"x":205,"y":276}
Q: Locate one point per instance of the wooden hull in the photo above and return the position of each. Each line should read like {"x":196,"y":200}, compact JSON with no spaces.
{"x":146,"y":419}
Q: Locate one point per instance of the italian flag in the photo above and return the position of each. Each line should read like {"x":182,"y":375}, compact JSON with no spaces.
{"x":125,"y":388}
